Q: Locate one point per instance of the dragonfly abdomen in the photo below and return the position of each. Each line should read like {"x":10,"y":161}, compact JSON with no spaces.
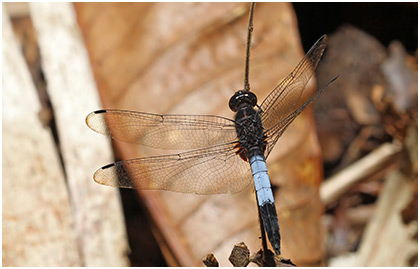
{"x":265,"y":199}
{"x":261,"y":180}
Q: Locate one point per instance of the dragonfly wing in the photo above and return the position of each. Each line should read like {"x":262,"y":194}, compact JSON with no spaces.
{"x":287,"y":96}
{"x":277,"y":130}
{"x":212,"y":170}
{"x":163,"y":131}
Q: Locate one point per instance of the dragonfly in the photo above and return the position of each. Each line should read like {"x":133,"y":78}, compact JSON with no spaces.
{"x":221,"y":155}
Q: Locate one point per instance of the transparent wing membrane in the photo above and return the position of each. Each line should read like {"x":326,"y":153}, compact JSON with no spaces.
{"x":287,"y":96}
{"x":213,"y":170}
{"x":277,"y":130}
{"x":163,"y":131}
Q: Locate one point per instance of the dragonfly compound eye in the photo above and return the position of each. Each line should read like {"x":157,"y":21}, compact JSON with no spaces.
{"x":242,"y":97}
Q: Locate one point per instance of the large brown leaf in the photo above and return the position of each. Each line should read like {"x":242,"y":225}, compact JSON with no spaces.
{"x":189,"y":58}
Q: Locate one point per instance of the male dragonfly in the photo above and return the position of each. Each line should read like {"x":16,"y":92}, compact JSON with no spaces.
{"x":227,"y":154}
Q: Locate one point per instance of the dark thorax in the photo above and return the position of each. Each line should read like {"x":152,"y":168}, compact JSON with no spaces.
{"x":248,"y":125}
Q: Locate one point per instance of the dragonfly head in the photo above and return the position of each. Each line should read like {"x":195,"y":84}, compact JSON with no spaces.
{"x":241,"y":97}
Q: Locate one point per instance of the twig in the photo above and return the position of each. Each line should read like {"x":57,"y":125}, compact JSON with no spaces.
{"x":369,"y":165}
{"x":248,"y":46}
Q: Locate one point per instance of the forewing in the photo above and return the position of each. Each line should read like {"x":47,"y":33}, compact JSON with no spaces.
{"x":163,"y":131}
{"x":277,"y":130}
{"x":287,"y":96}
{"x":212,"y":170}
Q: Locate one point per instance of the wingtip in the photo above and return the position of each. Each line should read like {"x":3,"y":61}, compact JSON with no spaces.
{"x":96,"y":122}
{"x":100,"y":111}
{"x":332,"y":80}
{"x":98,"y":176}
{"x":88,"y":118}
{"x":324,"y":37}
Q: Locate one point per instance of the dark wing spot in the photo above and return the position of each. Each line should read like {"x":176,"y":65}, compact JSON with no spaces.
{"x":107,"y":166}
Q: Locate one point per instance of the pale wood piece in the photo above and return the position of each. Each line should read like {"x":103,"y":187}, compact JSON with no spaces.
{"x":99,"y":221}
{"x":378,"y":160}
{"x":16,"y":9}
{"x":387,"y":241}
{"x":37,"y":216}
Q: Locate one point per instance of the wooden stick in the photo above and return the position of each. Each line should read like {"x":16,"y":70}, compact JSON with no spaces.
{"x":369,"y":165}
{"x":98,"y":217}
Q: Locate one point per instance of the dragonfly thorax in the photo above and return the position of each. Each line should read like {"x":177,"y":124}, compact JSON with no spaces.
{"x":249,"y":129}
{"x":242,"y":97}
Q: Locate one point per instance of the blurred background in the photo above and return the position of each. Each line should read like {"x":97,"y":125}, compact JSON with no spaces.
{"x":344,"y":174}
